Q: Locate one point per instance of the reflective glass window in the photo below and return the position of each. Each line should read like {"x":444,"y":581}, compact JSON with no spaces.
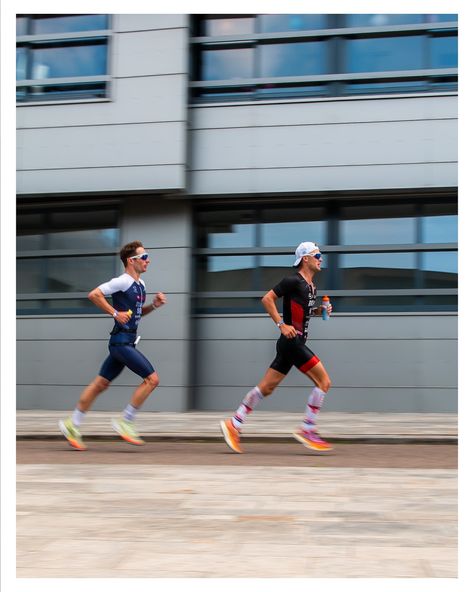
{"x":229,"y":229}
{"x":30,"y":276}
{"x":68,"y":23}
{"x":289,"y":227}
{"x":374,"y":228}
{"x":441,"y":18}
{"x":274,"y":267}
{"x":440,"y":269}
{"x":79,"y":274}
{"x":371,"y":271}
{"x":392,"y":86}
{"x":439,"y":229}
{"x":227,"y":64}
{"x":381,"y":54}
{"x":444,"y":51}
{"x":62,"y":62}
{"x":382,"y":20}
{"x":293,"y":59}
{"x":273,"y":23}
{"x":227,"y":26}
{"x":21,"y":25}
{"x":226,"y":273}
{"x":21,"y":64}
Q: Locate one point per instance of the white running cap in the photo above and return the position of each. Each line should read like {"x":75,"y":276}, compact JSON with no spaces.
{"x":304,"y":249}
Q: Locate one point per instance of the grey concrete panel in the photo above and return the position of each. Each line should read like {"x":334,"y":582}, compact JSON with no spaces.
{"x":133,"y":100}
{"x":325,"y":111}
{"x":150,"y":52}
{"x":143,"y":22}
{"x":168,"y":322}
{"x":332,"y":178}
{"x":164,"y":398}
{"x":103,"y":146}
{"x":158,"y":222}
{"x":77,"y":362}
{"x":340,"y":326}
{"x":103,"y":179}
{"x":378,"y":143}
{"x":366,"y":363}
{"x":357,"y":400}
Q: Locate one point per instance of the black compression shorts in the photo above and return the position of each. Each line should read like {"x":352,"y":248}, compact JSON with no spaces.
{"x":293,"y":352}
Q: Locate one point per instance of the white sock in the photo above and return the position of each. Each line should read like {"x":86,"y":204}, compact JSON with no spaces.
{"x":78,"y":417}
{"x":315,"y":403}
{"x":251,"y":399}
{"x":129,"y":412}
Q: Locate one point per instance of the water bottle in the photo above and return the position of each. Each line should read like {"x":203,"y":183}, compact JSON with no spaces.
{"x":325,"y":304}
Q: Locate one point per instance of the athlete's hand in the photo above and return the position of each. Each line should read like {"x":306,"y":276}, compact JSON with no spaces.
{"x":288,"y":331}
{"x":159,"y":299}
{"x":123,"y":317}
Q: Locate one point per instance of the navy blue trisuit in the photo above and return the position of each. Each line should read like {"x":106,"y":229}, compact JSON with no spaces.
{"x":127,"y":294}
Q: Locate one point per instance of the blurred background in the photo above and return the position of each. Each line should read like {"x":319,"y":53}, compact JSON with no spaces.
{"x":221,"y":142}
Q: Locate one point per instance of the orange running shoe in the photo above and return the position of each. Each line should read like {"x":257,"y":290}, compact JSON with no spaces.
{"x":127,"y":431}
{"x":72,"y":434}
{"x":231,"y":435}
{"x":312,"y":440}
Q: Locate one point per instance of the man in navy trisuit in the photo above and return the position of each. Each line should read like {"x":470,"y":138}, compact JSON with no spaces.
{"x":299,"y":303}
{"x":128,"y":294}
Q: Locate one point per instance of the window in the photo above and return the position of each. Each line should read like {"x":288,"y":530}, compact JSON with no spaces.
{"x":377,"y":256}
{"x":62,"y":57}
{"x":63,"y":254}
{"x":285,"y":55}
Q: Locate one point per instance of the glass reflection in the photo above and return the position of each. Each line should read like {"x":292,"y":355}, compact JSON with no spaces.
{"x":273,"y":23}
{"x":20,"y":63}
{"x":378,"y":231}
{"x":439,"y":229}
{"x":227,"y":64}
{"x":226,"y":273}
{"x":382,"y":20}
{"x":230,"y":229}
{"x":444,"y":51}
{"x":69,"y":23}
{"x":275,"y":267}
{"x":293,"y":59}
{"x":370,"y":271}
{"x":439,"y":269}
{"x":21,"y":25}
{"x":227,"y":26}
{"x":291,"y":234}
{"x":78,"y":274}
{"x":63,"y":62}
{"x":384,"y":54}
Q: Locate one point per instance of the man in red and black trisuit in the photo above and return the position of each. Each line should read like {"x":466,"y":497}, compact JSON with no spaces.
{"x":299,"y":304}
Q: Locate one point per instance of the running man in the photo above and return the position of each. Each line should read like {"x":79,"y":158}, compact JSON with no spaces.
{"x":128,"y":306}
{"x":299,"y":301}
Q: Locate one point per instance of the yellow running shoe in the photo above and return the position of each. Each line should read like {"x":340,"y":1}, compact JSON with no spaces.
{"x":72,"y":434}
{"x":231,"y":435}
{"x":312,"y":440}
{"x":126,"y":430}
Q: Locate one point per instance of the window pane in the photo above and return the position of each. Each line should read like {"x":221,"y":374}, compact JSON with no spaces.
{"x":79,"y":274}
{"x":227,"y":64}
{"x":441,"y":18}
{"x":234,"y":228}
{"x":30,"y":277}
{"x":374,"y":303}
{"x":382,"y":20}
{"x":293,"y":59}
{"x":377,"y":271}
{"x":270,"y":23}
{"x":440,"y":269}
{"x":69,"y":306}
{"x":439,"y":229}
{"x":384,"y":54}
{"x":358,"y":88}
{"x":444,"y":51}
{"x":84,"y":239}
{"x":227,"y":26}
{"x":290,"y":227}
{"x":227,"y":305}
{"x":377,"y":231}
{"x":69,"y":23}
{"x":21,"y":63}
{"x":226,"y":273}
{"x":21,"y":25}
{"x":275,"y":267}
{"x":76,"y":60}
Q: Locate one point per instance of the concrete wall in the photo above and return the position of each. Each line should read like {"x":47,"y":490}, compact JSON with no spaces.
{"x":324,"y":145}
{"x":57,"y":355}
{"x":398,"y":363}
{"x":134,"y":141}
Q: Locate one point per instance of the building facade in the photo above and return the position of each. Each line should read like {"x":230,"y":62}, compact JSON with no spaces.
{"x":221,"y":142}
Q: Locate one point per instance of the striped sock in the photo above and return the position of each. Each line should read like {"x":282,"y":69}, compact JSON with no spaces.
{"x":251,"y":399}
{"x":315,"y":403}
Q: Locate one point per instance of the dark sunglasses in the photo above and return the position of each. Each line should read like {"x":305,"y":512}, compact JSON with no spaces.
{"x":143,"y":256}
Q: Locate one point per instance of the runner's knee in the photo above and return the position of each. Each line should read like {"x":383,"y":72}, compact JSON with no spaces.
{"x":152,"y":380}
{"x":102,"y":383}
{"x":325,"y":384}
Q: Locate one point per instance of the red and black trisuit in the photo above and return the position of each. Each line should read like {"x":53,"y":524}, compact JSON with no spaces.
{"x":299,"y":299}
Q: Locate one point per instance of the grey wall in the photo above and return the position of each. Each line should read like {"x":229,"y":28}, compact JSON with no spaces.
{"x":57,"y":355}
{"x":319,"y":145}
{"x":133,"y":141}
{"x":399,"y":363}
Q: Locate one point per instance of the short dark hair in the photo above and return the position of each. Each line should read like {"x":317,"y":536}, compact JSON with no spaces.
{"x":129,"y":250}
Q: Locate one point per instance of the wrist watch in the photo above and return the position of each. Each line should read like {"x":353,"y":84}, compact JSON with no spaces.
{"x":280,"y":323}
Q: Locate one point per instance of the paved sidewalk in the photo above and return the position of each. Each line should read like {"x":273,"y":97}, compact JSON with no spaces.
{"x":362,"y":427}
